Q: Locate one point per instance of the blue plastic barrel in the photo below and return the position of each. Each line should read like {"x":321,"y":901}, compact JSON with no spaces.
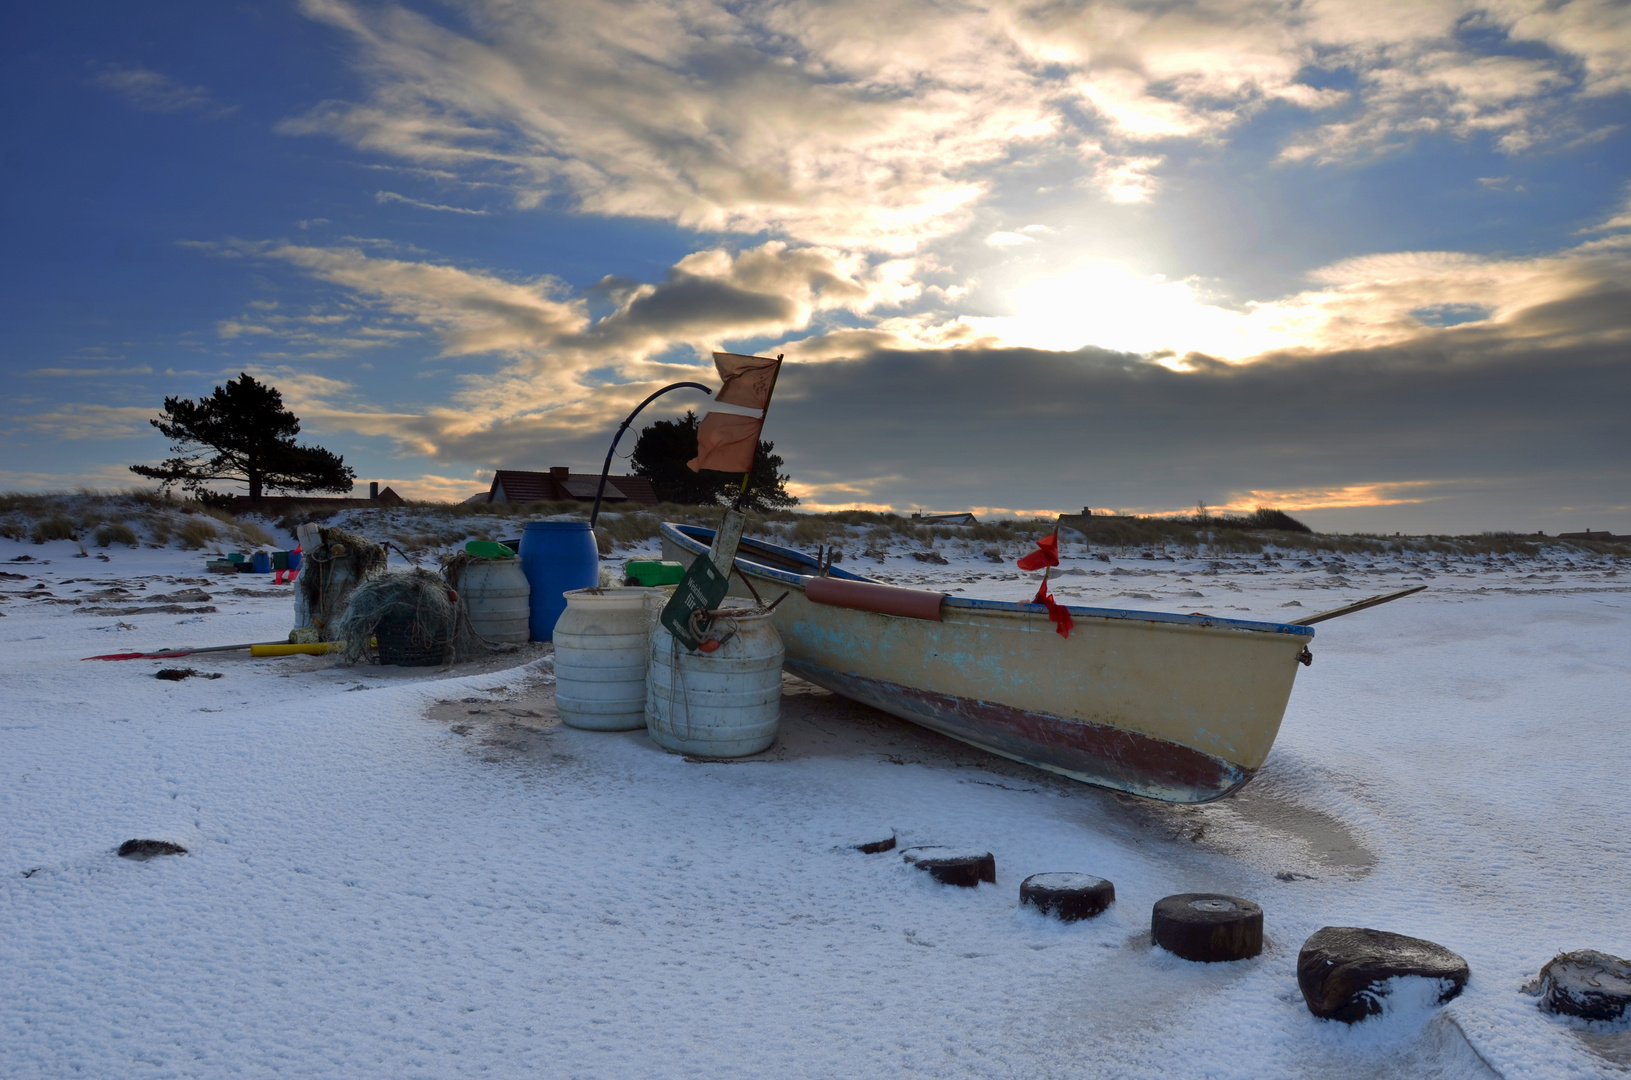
{"x":556,"y":557}
{"x":294,"y":559}
{"x":263,"y":562}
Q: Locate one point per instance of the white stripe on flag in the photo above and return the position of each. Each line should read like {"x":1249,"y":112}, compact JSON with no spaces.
{"x":735,"y":410}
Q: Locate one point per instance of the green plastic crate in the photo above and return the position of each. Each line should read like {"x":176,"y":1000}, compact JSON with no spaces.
{"x":652,"y":572}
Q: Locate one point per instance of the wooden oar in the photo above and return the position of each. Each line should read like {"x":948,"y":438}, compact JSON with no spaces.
{"x":167,"y":654}
{"x":1351,"y":608}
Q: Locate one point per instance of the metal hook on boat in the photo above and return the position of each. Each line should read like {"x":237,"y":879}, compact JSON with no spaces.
{"x":1305,"y":658}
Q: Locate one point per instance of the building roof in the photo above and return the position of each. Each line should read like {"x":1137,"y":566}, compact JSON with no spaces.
{"x":1593,"y":534}
{"x":560,"y":485}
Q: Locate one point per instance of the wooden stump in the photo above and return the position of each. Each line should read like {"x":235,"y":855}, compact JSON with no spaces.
{"x":876,"y":846}
{"x":954,"y":866}
{"x":1587,"y":984}
{"x":1067,"y":897}
{"x":1340,"y":968}
{"x":1208,"y":927}
{"x":147,"y":849}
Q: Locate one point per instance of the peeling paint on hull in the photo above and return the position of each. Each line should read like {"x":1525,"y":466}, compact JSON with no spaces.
{"x":1092,"y":753}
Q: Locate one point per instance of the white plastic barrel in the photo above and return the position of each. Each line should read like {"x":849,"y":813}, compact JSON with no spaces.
{"x":600,"y":659}
{"x":497,"y":598}
{"x":720,"y":704}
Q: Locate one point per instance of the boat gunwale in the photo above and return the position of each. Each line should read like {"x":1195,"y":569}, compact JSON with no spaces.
{"x":681,"y":533}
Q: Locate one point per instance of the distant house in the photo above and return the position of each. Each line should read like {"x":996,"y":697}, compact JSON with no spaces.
{"x":1592,"y":534}
{"x":560,"y":484}
{"x":947,"y":519}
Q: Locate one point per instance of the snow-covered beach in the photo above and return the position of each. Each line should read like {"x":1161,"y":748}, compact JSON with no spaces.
{"x":408,"y":873}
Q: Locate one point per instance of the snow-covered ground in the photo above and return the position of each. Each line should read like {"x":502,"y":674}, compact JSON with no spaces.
{"x":397,"y":873}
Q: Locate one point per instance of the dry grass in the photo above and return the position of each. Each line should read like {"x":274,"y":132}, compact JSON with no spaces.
{"x":128,"y":517}
{"x":55,"y":527}
{"x":197,"y":532}
{"x":253,"y":533}
{"x":116,"y":532}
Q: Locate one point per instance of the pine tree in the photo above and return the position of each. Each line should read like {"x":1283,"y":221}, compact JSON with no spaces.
{"x":241,"y":433}
{"x":664,"y":447}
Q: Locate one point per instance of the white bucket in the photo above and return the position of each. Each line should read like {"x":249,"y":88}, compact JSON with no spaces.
{"x":497,"y":598}
{"x":600,"y":659}
{"x":720,"y":704}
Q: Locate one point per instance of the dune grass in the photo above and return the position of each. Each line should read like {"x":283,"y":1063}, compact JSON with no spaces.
{"x":130,"y":517}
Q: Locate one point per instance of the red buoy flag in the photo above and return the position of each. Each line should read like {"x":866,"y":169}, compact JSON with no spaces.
{"x":1063,"y":624}
{"x":726,"y":441}
{"x":1046,"y":554}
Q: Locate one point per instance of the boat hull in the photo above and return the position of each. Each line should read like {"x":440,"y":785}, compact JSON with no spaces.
{"x":1170,"y":707}
{"x":1095,"y":754}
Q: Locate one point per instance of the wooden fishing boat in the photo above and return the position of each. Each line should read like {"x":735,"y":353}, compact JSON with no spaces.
{"x":1181,"y":708}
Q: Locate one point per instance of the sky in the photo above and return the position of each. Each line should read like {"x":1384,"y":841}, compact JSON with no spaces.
{"x":1368,"y":262}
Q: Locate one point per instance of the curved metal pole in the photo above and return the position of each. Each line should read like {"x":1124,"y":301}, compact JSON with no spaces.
{"x":594,"y":515}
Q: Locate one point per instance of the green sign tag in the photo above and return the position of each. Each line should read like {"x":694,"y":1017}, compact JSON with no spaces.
{"x":701,"y":589}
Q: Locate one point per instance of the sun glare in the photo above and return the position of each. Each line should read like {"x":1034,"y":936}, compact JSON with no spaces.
{"x":1109,"y":307}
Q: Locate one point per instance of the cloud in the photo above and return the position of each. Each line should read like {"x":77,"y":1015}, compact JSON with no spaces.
{"x":64,"y":372}
{"x":154,"y":91}
{"x":393,"y":197}
{"x":470,"y":311}
{"x":438,"y":488}
{"x":1016,"y":237}
{"x":1363,"y":302}
{"x":1387,"y":371}
{"x":849,"y":124}
{"x":109,"y":477}
{"x":558,"y":371}
{"x":84,"y":420}
{"x":707,"y":300}
{"x":1491,"y":435}
{"x":1621,"y":219}
{"x":1001,"y":239}
{"x":1345,"y":497}
{"x":825,"y":124}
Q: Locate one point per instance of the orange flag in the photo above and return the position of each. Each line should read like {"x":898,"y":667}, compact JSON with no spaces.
{"x":727,"y":441}
{"x":748,"y":379}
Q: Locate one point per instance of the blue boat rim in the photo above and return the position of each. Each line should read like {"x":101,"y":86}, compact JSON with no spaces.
{"x":698,"y":539}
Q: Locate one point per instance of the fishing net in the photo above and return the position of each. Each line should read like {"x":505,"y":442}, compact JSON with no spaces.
{"x":466,"y":641}
{"x":341,"y":563}
{"x":410,"y":614}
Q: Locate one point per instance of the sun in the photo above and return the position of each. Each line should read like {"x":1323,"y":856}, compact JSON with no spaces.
{"x":1105,"y":305}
